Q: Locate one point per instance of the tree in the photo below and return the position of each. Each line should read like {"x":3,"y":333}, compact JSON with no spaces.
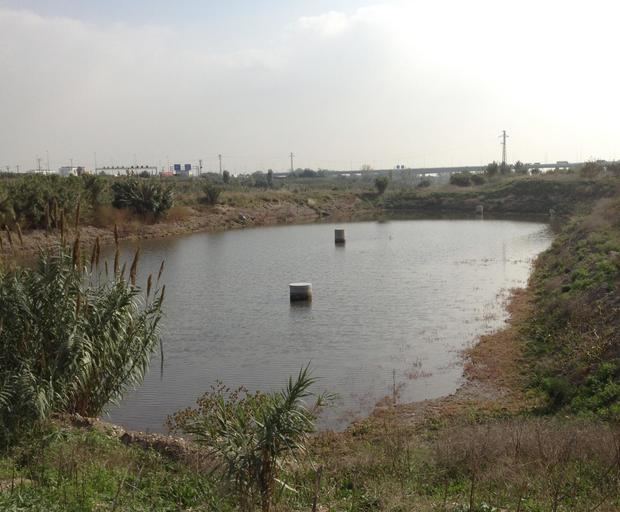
{"x":226,"y":177}
{"x":270,"y":178}
{"x":381,"y":183}
{"x":252,"y":435}
{"x":520,"y":167}
{"x":366,"y":167}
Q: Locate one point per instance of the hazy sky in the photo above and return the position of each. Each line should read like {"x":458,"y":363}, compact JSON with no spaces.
{"x":339,"y":83}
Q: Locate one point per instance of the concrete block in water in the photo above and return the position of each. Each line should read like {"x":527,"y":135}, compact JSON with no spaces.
{"x":300,"y":291}
{"x":339,"y":236}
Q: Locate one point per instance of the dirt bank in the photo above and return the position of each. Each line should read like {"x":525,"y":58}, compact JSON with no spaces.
{"x":193,"y":220}
{"x":494,"y":383}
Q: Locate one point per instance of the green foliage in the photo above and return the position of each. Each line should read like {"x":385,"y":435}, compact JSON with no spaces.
{"x":520,"y":167}
{"x":381,"y":184}
{"x":32,"y":201}
{"x":492,"y":169}
{"x":461,"y":179}
{"x":94,"y":188}
{"x":477,"y":179}
{"x":211,"y":193}
{"x":71,"y":470}
{"x":253,"y":434}
{"x":591,"y":170}
{"x":71,"y":340}
{"x":226,"y":177}
{"x":425,"y":183}
{"x":143,"y":197}
{"x":572,"y":337}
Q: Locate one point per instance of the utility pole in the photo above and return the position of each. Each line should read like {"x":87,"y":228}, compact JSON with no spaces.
{"x":200,"y":167}
{"x":39,"y":165}
{"x":220,"y":158}
{"x":503,"y":137}
{"x":292,"y":166}
{"x":47,"y":156}
{"x":95,"y":170}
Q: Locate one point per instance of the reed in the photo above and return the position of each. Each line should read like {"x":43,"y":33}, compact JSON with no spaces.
{"x":71,"y":342}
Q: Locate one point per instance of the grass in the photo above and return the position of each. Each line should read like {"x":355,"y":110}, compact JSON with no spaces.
{"x":67,"y":469}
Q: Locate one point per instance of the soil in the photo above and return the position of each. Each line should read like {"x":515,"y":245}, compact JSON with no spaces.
{"x":212,"y":219}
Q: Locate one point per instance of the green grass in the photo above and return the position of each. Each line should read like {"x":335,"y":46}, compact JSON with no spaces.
{"x":81,"y":470}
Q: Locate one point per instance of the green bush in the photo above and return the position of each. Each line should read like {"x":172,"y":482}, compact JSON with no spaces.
{"x":211,"y":193}
{"x":142,"y":196}
{"x":381,"y":184}
{"x":477,"y":179}
{"x":252,"y":434}
{"x":71,"y":340}
{"x":460,"y":179}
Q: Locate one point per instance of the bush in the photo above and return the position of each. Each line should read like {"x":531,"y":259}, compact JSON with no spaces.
{"x":424,"y":184}
{"x":478,"y":179}
{"x":460,"y":179}
{"x":142,"y":196}
{"x":381,"y":184}
{"x":70,"y":341}
{"x":492,"y":169}
{"x":591,"y":170}
{"x":212,"y":193}
{"x":252,"y":434}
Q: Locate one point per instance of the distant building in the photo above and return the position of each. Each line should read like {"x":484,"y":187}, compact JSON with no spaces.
{"x":183,"y":171}
{"x":71,"y":171}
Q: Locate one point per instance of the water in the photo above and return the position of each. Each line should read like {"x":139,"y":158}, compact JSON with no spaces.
{"x":400,"y":301}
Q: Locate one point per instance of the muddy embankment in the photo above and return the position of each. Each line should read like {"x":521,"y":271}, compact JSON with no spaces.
{"x":193,"y":220}
{"x":525,"y":196}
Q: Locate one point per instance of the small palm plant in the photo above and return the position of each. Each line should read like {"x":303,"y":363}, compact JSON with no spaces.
{"x":143,"y":197}
{"x":71,"y":339}
{"x":252,"y":435}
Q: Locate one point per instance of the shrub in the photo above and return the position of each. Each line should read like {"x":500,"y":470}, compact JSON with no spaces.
{"x":460,"y":179}
{"x":477,"y":179}
{"x":591,"y":170}
{"x":212,"y":193}
{"x":226,"y":177}
{"x":71,"y":341}
{"x":424,"y":184}
{"x":492,"y":169}
{"x":381,"y":184}
{"x":142,"y":196}
{"x":252,"y":434}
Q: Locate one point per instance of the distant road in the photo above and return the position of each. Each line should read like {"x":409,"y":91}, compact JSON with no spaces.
{"x":421,"y":171}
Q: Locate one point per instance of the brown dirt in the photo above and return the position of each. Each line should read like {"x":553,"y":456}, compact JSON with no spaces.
{"x":216,"y":218}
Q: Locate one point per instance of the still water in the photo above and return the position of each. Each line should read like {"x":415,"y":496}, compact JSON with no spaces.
{"x":398,"y":303}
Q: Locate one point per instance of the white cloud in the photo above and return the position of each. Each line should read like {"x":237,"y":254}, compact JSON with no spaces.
{"x":409,"y":82}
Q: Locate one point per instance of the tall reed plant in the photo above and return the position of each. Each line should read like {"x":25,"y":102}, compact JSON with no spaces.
{"x":73,"y":337}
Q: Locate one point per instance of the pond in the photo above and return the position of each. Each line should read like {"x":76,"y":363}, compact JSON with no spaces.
{"x":392,"y":309}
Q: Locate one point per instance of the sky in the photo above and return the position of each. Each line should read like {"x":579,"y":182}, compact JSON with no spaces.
{"x":341,"y":84}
